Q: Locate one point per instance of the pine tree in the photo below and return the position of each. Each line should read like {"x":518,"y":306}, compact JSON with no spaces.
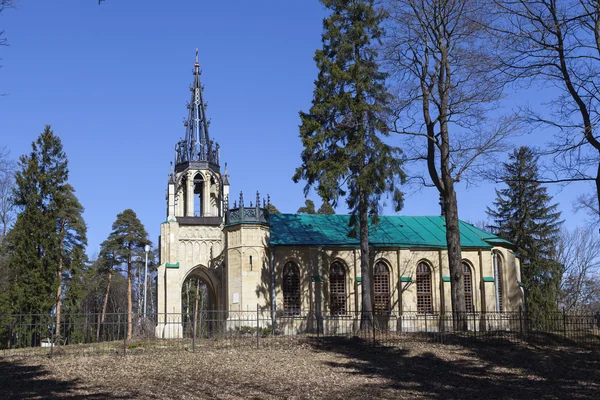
{"x":326,"y":209}
{"x":344,"y":154}
{"x":272,"y":209}
{"x":127,"y":240}
{"x":308,"y":208}
{"x":71,"y":237}
{"x":48,"y":228}
{"x":524,"y":215}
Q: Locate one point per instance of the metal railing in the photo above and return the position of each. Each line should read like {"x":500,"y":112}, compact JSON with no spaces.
{"x":89,"y":334}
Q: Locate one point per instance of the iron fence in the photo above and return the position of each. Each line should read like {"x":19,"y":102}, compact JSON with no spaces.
{"x":90,"y":334}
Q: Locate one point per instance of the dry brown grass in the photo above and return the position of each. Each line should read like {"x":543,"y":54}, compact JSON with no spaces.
{"x":325,"y":369}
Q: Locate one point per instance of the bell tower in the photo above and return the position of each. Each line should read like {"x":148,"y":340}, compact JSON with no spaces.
{"x":192,"y":238}
{"x":198,"y":187}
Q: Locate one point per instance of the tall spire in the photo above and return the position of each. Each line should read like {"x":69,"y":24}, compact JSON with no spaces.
{"x":197,"y":145}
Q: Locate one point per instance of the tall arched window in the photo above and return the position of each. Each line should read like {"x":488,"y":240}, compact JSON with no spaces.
{"x":291,"y":289}
{"x":337,"y":289}
{"x":498,"y":278}
{"x":381,"y":278}
{"x":198,"y":194}
{"x":468,"y":281}
{"x":424,"y":301}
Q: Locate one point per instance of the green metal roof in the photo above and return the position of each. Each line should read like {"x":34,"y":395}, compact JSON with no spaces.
{"x":391,"y":231}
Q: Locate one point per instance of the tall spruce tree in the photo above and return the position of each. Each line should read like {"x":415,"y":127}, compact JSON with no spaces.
{"x":48,"y":237}
{"x":344,"y":154}
{"x":524,"y":215}
{"x":126,"y":241}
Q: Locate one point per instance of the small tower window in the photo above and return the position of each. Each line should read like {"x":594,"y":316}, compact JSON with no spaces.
{"x":291,"y":289}
{"x":198,"y":195}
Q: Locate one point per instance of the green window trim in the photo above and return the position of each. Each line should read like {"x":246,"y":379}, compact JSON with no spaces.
{"x":172,"y":265}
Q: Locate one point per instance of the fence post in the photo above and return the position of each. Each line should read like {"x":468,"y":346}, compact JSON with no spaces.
{"x":51,"y":341}
{"x":564,"y":322}
{"x":257,"y":328}
{"x":124,"y":335}
{"x":521,"y":322}
{"x":426,"y":333}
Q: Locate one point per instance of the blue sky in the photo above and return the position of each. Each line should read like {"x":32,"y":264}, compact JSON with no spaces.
{"x":113,"y":80}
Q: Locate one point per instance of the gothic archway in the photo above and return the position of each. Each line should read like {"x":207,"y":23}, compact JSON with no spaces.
{"x":199,"y":303}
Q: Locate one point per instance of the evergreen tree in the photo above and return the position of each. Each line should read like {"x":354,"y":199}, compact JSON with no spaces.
{"x":127,"y":240}
{"x":524,"y":215}
{"x":344,"y":154}
{"x":272,"y":209}
{"x":71,"y":237}
{"x":48,"y":237}
{"x":309,"y":207}
{"x":326,"y":209}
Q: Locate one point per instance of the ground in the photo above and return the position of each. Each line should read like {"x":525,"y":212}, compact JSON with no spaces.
{"x":323,"y":369}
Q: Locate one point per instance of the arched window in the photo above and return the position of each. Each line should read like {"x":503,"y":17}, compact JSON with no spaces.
{"x":468,"y":281}
{"x":337,"y":289}
{"x":198,"y":194}
{"x":381,"y":277}
{"x":498,"y":278}
{"x":291,"y":289}
{"x":424,"y":302}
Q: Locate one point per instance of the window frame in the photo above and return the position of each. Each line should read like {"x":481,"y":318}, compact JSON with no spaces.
{"x":424,"y":297}
{"x":468,"y":271}
{"x":292,"y":302}
{"x":382,"y":298}
{"x":337,"y":299}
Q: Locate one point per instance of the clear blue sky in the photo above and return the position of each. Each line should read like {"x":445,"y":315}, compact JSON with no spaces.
{"x":113,"y":80}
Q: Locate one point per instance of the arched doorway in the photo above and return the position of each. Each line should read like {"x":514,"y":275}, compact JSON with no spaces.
{"x":199,"y":304}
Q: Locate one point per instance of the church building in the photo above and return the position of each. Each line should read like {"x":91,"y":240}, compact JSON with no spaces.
{"x":298,"y":265}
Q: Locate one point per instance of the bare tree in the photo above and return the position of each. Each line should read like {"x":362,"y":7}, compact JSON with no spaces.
{"x":556,"y":43}
{"x":579,"y":254}
{"x":7,"y":181}
{"x":448,"y":83}
{"x":4,"y":4}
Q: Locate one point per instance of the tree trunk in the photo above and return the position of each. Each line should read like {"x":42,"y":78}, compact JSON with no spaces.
{"x":129,"y":300}
{"x":59,"y":289}
{"x":196,"y":307}
{"x":457,"y":287}
{"x":103,"y":314}
{"x":58,"y":294}
{"x":366,"y":317}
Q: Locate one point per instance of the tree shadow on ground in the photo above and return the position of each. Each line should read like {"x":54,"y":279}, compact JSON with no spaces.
{"x":472,"y":369}
{"x":25,"y":380}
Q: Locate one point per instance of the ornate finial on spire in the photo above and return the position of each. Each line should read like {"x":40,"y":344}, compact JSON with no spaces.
{"x":241,"y":199}
{"x":197,"y":63}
